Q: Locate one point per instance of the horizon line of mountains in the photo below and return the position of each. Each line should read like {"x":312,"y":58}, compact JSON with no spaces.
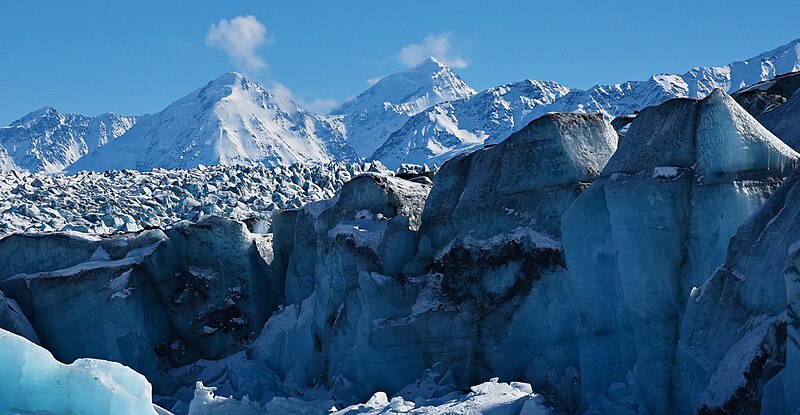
{"x":425,"y":114}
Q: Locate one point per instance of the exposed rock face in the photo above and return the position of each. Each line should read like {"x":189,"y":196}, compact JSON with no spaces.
{"x":381,"y":306}
{"x":782,"y":121}
{"x":151,"y":300}
{"x":655,"y":225}
{"x":764,"y":96}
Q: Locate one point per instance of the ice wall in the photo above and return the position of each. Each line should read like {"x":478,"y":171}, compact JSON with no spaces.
{"x":740,"y":327}
{"x":653,"y":227}
{"x":152,"y":300}
{"x":383,"y":283}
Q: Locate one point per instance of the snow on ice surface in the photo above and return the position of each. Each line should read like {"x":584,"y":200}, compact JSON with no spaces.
{"x":108,"y":202}
{"x":489,"y":398}
{"x":32,"y":381}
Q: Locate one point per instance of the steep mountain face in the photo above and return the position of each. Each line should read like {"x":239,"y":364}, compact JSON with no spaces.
{"x":451,"y":128}
{"x":374,"y":114}
{"x":229,"y":121}
{"x":447,"y":130}
{"x":46,"y":141}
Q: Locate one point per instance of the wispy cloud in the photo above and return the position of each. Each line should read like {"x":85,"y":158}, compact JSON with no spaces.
{"x":373,"y":81}
{"x":437,"y":46}
{"x":240,"y":39}
{"x":316,"y":105}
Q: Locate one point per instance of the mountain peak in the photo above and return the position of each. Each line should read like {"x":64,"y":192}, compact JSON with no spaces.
{"x":35,"y":116}
{"x":429,"y":63}
{"x":229,"y":78}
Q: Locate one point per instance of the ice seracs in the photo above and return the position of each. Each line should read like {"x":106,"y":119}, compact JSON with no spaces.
{"x":231,"y":120}
{"x":657,"y":224}
{"x":384,"y":280}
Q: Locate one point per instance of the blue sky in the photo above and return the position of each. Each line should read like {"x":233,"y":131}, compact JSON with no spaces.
{"x":136,"y":57}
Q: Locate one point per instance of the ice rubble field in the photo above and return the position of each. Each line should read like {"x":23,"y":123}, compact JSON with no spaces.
{"x":128,"y":200}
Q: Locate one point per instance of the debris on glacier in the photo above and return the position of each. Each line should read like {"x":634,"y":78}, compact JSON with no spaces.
{"x":33,"y":381}
{"x":129,"y":201}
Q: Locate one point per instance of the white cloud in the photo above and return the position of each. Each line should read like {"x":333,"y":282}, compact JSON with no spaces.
{"x":437,"y":46}
{"x":316,"y":105}
{"x":240,"y":37}
{"x":373,"y":81}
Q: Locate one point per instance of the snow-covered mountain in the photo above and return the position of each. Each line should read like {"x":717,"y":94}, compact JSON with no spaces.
{"x":373,"y":115}
{"x":448,"y":129}
{"x":229,"y":121}
{"x":625,"y":98}
{"x":48,"y":141}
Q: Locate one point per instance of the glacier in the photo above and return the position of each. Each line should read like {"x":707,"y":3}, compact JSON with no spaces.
{"x":632,"y":278}
{"x":356,"y":281}
{"x":129,"y":201}
{"x":570,"y":268}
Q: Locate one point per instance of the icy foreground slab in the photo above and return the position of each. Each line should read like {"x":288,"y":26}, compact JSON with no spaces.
{"x":32,"y":381}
